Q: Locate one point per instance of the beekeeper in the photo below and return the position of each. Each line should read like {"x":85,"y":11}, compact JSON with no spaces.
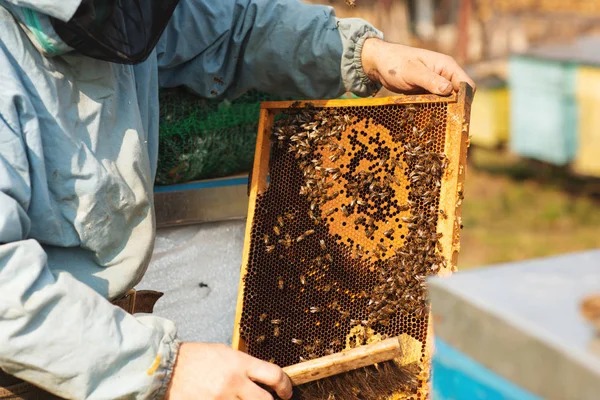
{"x":79,"y":84}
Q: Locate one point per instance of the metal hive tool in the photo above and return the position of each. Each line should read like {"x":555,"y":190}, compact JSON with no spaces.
{"x":352,"y":204}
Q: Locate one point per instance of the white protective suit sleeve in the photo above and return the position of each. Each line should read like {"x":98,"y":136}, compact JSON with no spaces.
{"x":284,"y":47}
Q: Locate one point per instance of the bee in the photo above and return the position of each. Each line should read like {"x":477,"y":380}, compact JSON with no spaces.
{"x":360,"y":202}
{"x":443,"y":214}
{"x":300,"y":238}
{"x":345,"y":314}
{"x":409,"y":219}
{"x":260,"y":339}
{"x":439,"y":247}
{"x":312,"y":216}
{"x":302,"y":279}
{"x":392,"y":178}
{"x":276,"y":230}
{"x":329,"y":352}
{"x":411,"y":108}
{"x":266,"y":239}
{"x":287,"y":242}
{"x":329,"y":212}
{"x":345,"y":211}
{"x":262,"y":317}
{"x":280,"y":283}
{"x":315,"y":309}
{"x":275,"y":321}
{"x":328,"y":257}
{"x":351,"y":3}
{"x":395,"y":163}
{"x":219,"y":80}
{"x":388,"y":233}
{"x":377,"y":253}
{"x":359,"y":250}
{"x":276,"y":331}
{"x":298,"y":341}
{"x":382,"y":247}
{"x":369,"y":231}
{"x":318,"y":342}
{"x":355,"y":322}
{"x":359,"y":220}
{"x":280,"y":221}
{"x":214,"y":92}
{"x":269,"y":249}
{"x":326,"y":288}
{"x":383,"y":160}
{"x":404,"y":207}
{"x":272,"y":361}
{"x":309,"y":232}
{"x":322,"y":244}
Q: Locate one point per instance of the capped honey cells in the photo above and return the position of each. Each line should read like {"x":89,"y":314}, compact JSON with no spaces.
{"x":346,"y":231}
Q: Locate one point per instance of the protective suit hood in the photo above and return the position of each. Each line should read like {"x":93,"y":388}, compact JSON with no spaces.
{"x":119,"y":31}
{"x":34,"y":18}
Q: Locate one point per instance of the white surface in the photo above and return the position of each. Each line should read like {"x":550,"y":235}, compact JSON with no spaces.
{"x":541,"y":297}
{"x":184,"y":258}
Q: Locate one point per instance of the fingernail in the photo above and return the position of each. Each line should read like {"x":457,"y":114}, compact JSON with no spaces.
{"x":444,"y":87}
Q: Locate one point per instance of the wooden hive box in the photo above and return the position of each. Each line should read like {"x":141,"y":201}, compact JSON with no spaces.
{"x":352,"y":204}
{"x":543,"y":111}
{"x":490,"y":115}
{"x":587,"y":159}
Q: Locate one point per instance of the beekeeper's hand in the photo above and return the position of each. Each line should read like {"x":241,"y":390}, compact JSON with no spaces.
{"x":215,"y":371}
{"x":406,"y":69}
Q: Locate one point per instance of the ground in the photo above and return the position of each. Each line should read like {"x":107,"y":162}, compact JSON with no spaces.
{"x":516,"y":209}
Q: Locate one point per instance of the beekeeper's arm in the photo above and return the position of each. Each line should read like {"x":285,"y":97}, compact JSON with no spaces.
{"x":219,"y":49}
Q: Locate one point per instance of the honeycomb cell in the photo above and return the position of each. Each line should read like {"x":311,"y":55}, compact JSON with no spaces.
{"x":346,"y":231}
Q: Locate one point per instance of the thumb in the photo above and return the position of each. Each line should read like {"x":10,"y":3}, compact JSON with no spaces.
{"x":425,"y":78}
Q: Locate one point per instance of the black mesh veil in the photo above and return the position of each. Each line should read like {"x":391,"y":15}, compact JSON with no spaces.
{"x":120,"y":31}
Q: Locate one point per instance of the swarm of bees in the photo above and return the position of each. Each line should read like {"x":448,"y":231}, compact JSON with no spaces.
{"x":398,"y":285}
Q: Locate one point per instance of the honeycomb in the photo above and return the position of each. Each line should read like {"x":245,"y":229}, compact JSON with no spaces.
{"x":343,"y":228}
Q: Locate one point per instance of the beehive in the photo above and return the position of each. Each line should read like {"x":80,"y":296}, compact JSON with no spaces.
{"x":587,"y":160}
{"x":543,"y":110}
{"x":352,"y":204}
{"x":490,"y":115}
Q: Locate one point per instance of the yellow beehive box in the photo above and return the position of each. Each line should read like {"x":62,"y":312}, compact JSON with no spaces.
{"x":490,"y":115}
{"x":587,"y":159}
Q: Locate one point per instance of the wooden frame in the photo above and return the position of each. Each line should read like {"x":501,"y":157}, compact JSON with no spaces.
{"x":456,"y":143}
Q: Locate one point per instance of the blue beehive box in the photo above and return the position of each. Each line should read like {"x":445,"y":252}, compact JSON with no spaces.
{"x":543,"y":112}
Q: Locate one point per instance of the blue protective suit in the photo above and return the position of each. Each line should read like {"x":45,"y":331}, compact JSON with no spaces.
{"x":78,"y":154}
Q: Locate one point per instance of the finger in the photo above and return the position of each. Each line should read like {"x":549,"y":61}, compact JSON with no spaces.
{"x":419,"y":75}
{"x":272,"y":376}
{"x":251,"y":391}
{"x":457,"y":75}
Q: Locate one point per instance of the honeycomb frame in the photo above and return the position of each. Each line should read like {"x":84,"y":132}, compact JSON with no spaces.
{"x":455,"y":126}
